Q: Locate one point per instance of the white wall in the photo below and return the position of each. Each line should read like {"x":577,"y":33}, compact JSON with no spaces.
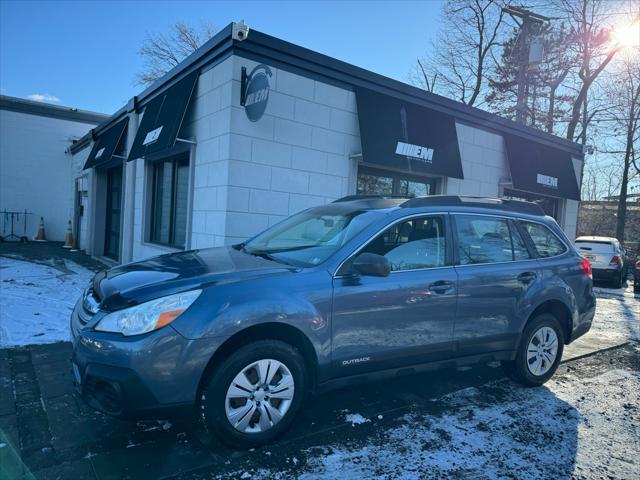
{"x":296,"y":156}
{"x":484,"y":163}
{"x":77,"y":162}
{"x":35,"y":172}
{"x":251,"y":175}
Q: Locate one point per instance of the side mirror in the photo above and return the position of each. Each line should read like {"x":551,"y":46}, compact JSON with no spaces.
{"x":372,"y":264}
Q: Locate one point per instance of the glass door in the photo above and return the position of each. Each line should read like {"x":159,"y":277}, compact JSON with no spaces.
{"x":114,"y":211}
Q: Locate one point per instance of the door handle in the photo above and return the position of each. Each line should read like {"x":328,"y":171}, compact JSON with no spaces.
{"x":441,"y":286}
{"x":527,"y":277}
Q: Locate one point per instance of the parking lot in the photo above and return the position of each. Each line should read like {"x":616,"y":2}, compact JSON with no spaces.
{"x":464,"y":423}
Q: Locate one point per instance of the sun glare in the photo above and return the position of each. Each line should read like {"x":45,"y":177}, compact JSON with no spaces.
{"x":627,"y":35}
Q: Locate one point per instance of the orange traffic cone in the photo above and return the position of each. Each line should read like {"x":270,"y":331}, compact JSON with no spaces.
{"x":68,"y":243}
{"x":40,"y":235}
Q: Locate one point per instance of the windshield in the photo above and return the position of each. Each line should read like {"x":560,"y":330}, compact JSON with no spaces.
{"x":310,"y":237}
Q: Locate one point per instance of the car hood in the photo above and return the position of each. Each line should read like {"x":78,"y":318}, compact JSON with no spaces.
{"x":138,"y":282}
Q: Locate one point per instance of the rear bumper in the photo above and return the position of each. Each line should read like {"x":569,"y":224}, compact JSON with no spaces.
{"x":606,"y":273}
{"x":579,"y":331}
{"x":582,"y":324}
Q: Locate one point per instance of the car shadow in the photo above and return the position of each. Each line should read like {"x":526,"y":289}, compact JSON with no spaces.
{"x":421,"y":417}
{"x":468,"y":422}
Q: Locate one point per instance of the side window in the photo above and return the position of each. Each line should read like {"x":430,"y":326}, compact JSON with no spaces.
{"x":546,"y":242}
{"x":483,"y":239}
{"x":414,"y":244}
{"x":520,"y":251}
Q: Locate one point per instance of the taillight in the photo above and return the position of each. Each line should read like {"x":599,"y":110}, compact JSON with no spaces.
{"x":585,"y":266}
{"x":615,"y":260}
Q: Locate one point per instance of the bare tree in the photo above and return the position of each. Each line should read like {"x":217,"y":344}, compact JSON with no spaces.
{"x":624,"y":95}
{"x":468,"y":34}
{"x":601,"y":179}
{"x":162,"y":51}
{"x":590,"y":25}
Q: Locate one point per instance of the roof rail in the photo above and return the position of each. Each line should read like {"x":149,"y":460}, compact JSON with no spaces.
{"x":507,"y":204}
{"x":351,"y":198}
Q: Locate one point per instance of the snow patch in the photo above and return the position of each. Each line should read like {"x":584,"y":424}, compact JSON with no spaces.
{"x":36,"y":301}
{"x":569,"y":427}
{"x":356,"y":419}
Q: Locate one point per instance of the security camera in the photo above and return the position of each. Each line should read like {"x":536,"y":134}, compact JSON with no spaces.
{"x":240,"y":31}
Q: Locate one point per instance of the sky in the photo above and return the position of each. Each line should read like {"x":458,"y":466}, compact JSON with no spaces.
{"x":85,"y":54}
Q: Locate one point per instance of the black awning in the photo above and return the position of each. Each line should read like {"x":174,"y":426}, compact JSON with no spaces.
{"x":404,"y":135}
{"x":163,"y":118}
{"x":106,"y":145}
{"x":541,"y":169}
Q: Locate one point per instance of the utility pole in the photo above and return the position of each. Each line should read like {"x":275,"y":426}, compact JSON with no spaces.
{"x":528,"y":19}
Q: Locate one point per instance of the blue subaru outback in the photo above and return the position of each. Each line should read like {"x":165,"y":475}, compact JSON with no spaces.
{"x":362,"y":288}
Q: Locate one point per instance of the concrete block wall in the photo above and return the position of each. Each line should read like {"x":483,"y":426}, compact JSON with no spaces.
{"x":210,"y":125}
{"x":484,"y":162}
{"x":296,"y":156}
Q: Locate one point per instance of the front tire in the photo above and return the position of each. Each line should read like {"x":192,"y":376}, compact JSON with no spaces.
{"x":539,"y":352}
{"x":254,"y":395}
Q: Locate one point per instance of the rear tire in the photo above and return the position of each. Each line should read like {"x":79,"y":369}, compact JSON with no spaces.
{"x":539,"y":352}
{"x":235,"y":406}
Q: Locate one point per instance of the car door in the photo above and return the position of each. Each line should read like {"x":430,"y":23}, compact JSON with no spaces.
{"x":495,"y":274}
{"x":406,"y":317}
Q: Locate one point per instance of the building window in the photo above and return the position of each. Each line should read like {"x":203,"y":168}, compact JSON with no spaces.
{"x":169,"y":201}
{"x":380,"y":182}
{"x":548,"y":204}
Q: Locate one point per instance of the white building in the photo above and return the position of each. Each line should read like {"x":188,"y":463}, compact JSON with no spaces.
{"x":36,"y":174}
{"x":250,"y":129}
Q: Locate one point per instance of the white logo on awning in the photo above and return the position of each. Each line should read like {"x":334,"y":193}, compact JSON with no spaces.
{"x":421,"y":153}
{"x":100,"y":152}
{"x":547,"y":180}
{"x":152,"y":136}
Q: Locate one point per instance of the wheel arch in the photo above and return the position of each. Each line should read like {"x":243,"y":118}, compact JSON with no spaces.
{"x":560,"y":311}
{"x":265,"y":331}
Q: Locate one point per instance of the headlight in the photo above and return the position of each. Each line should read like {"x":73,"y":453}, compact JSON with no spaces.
{"x":148,"y":316}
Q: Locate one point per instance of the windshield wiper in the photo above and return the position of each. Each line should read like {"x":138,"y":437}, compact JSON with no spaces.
{"x":263,"y":254}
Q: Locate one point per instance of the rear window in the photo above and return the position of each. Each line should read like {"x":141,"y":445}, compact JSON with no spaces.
{"x":546,"y":243}
{"x":484,"y":239}
{"x":595,"y":246}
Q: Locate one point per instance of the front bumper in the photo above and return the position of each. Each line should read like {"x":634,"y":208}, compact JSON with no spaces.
{"x":137,"y":377}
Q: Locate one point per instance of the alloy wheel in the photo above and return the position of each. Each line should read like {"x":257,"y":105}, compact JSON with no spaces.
{"x":259,"y":396}
{"x":542,"y":351}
